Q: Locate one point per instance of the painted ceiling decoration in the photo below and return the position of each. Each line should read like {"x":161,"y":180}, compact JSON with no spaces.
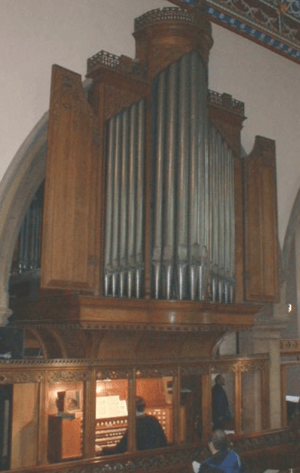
{"x":274,"y":24}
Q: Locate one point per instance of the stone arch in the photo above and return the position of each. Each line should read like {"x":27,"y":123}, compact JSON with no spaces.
{"x":17,"y":189}
{"x":291,"y":229}
{"x":291,"y":261}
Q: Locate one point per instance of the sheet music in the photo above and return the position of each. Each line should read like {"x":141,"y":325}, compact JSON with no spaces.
{"x":196,"y":466}
{"x":110,"y":406}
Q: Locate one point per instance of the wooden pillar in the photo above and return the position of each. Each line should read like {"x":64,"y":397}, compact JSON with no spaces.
{"x":238,"y":400}
{"x":89,"y":415}
{"x":42,"y":447}
{"x":176,"y":407}
{"x":266,"y":340}
{"x":265,"y":396}
{"x":284,"y":420}
{"x":131,"y":446}
{"x":206,"y":407}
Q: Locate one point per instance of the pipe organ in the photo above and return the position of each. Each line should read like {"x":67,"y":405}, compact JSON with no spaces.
{"x":157,"y":238}
{"x":151,"y":216}
{"x":192,"y":194}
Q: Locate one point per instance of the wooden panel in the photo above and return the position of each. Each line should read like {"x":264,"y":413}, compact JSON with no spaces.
{"x":70,"y":256}
{"x":64,"y":438}
{"x":24,"y":425}
{"x":284,"y":420}
{"x":261,"y":233}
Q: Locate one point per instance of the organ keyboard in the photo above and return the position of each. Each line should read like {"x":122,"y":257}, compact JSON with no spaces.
{"x":108,"y":432}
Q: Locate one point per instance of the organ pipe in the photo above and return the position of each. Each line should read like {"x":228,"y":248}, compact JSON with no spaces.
{"x":169,"y":237}
{"x":116,"y":208}
{"x":124,"y":200}
{"x":140,"y":196}
{"x":182,"y":187}
{"x":132,"y":199}
{"x":109,"y":205}
{"x":193,"y":181}
{"x":157,"y":251}
{"x":29,"y":250}
{"x":202,"y":191}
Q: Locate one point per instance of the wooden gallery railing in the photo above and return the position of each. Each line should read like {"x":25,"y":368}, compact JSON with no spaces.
{"x":260,"y":450}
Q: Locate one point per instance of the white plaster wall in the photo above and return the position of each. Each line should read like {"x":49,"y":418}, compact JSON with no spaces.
{"x":268,"y":84}
{"x":34,"y":34}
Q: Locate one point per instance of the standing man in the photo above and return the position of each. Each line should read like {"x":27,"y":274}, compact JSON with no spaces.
{"x":220,"y":406}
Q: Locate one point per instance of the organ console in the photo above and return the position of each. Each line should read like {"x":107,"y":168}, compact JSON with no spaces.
{"x":109,"y":432}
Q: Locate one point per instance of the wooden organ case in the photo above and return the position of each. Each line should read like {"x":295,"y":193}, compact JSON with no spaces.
{"x":145,"y":195}
{"x":158,"y":238}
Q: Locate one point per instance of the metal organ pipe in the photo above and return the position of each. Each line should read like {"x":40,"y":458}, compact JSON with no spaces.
{"x":132,"y":199}
{"x":124,"y":200}
{"x":231,"y":217}
{"x":170,"y":150}
{"x":140,"y":196}
{"x":158,"y":201}
{"x":198,"y":197}
{"x":116,"y":207}
{"x":207,"y":219}
{"x":30,"y":237}
{"x":193,"y":178}
{"x":221,"y":239}
{"x":215,"y":214}
{"x":109,"y":206}
{"x":227,"y":224}
{"x":182,"y":186}
{"x":202,"y":190}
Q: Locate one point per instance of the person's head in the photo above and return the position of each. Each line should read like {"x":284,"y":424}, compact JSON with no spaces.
{"x":219,"y":441}
{"x":219,"y":379}
{"x":140,"y":405}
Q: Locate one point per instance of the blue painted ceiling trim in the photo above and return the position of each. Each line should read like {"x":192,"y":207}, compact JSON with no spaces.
{"x":274,"y":24}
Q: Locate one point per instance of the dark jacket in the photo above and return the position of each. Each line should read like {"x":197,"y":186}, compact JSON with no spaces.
{"x":220,"y":407}
{"x":149,"y":435}
{"x":225,"y":461}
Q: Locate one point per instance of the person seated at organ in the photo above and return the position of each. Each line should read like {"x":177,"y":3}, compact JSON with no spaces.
{"x":149,"y":432}
{"x":223,"y":459}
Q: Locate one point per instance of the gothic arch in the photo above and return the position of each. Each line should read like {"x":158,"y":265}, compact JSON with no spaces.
{"x":291,"y":229}
{"x":291,"y":261}
{"x":17,"y":189}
